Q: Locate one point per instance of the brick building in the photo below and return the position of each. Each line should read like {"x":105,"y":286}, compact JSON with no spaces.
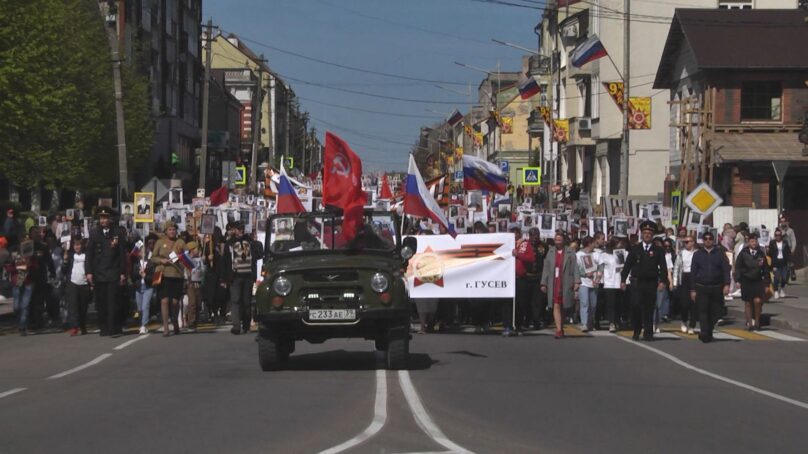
{"x":738,"y":82}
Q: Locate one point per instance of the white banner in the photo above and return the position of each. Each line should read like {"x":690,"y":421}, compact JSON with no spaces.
{"x":468,"y":266}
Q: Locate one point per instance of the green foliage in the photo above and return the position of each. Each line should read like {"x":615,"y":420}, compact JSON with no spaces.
{"x":56,"y":96}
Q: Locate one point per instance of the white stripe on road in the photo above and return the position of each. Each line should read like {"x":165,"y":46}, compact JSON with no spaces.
{"x":720,"y":335}
{"x":132,"y":341}
{"x":82,"y":367}
{"x":11,"y":391}
{"x":379,"y":417}
{"x":779,"y":336}
{"x":422,"y":417}
{"x":693,"y":368}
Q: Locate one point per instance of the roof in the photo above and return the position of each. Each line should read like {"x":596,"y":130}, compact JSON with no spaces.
{"x":736,"y":39}
{"x":733,"y":147}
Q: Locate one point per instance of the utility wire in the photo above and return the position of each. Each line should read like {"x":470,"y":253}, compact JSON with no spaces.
{"x":347,"y":67}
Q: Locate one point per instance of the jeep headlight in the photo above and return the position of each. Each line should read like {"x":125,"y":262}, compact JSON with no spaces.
{"x":406,"y":253}
{"x":379,"y":283}
{"x":282,"y":286}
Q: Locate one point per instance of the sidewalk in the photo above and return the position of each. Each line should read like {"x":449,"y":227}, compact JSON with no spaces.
{"x":787,"y":313}
{"x":6,"y":307}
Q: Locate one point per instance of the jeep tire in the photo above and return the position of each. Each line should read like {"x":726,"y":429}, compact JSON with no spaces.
{"x":398,"y":350}
{"x":271,"y":354}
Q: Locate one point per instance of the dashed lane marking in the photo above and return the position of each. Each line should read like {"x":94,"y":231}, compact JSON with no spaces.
{"x":82,"y":367}
{"x":715,"y":376}
{"x":11,"y":392}
{"x":748,"y":335}
{"x":379,"y":417}
{"x":132,"y":341}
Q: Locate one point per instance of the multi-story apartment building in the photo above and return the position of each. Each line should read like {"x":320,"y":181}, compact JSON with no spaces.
{"x":165,"y":36}
{"x":591,"y":156}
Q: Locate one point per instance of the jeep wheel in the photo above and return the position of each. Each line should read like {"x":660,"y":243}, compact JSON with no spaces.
{"x":270,"y":355}
{"x":398,"y":350}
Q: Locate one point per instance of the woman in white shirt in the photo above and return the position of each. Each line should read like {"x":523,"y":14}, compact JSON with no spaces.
{"x":681,"y":286}
{"x":590,"y":279}
{"x":611,"y":261}
{"x":780,"y":253}
{"x":77,"y":292}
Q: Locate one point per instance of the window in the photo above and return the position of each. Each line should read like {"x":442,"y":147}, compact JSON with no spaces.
{"x":761,"y":101}
{"x":737,"y":4}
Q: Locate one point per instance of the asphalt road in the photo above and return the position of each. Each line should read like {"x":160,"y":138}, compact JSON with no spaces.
{"x":204,"y":392}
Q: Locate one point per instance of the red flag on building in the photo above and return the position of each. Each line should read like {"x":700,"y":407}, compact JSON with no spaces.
{"x":342,"y":183}
{"x":218,"y":196}
{"x":385,"y":194}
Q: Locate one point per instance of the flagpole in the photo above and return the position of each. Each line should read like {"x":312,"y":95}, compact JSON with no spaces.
{"x":615,"y":68}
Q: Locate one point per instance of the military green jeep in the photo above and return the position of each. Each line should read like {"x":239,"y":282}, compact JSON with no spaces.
{"x":317,"y":286}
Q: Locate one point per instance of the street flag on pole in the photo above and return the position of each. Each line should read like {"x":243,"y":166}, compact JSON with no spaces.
{"x":287,"y":200}
{"x":218,"y":197}
{"x":530,"y":88}
{"x":418,"y":201}
{"x":342,"y":183}
{"x":483,"y":175}
{"x":589,"y":50}
{"x":385,"y":193}
{"x":454,"y":118}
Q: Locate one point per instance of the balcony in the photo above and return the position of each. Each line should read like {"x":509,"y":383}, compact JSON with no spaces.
{"x":539,"y":65}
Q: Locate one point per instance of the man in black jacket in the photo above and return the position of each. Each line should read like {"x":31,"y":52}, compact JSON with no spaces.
{"x":649,"y":271}
{"x":239,"y":270}
{"x":709,"y":280}
{"x":106,"y":270}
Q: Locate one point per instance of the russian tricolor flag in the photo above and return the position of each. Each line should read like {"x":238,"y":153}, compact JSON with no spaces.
{"x":530,"y":88}
{"x":287,"y":201}
{"x":588,"y":51}
{"x":419,"y":202}
{"x":483,"y":175}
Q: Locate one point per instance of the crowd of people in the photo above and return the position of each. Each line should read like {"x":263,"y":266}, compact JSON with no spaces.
{"x":638,"y":283}
{"x":187,"y":275}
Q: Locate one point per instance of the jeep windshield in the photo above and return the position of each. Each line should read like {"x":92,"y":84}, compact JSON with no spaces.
{"x":289,"y":234}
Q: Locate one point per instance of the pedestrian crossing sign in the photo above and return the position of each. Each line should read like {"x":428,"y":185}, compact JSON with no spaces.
{"x":289,"y":162}
{"x":241,"y":175}
{"x":531,"y":176}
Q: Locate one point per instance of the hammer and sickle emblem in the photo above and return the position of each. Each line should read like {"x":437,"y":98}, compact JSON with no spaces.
{"x":341,"y":166}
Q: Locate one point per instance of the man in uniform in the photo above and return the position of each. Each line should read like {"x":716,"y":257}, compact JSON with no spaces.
{"x":106,"y":270}
{"x":648,"y":270}
{"x":709,"y":279}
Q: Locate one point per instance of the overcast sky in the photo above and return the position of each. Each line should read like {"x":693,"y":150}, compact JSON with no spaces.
{"x":413,"y":38}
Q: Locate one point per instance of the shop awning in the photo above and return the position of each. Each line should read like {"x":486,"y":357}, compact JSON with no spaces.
{"x":735,"y":147}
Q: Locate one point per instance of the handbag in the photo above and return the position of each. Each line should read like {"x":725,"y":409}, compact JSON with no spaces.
{"x":157,"y":278}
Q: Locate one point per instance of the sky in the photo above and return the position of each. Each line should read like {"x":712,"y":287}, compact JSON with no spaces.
{"x":412,"y":38}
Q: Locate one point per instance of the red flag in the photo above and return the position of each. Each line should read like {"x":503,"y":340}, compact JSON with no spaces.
{"x":218,"y":196}
{"x":342,"y":183}
{"x":386,"y":194}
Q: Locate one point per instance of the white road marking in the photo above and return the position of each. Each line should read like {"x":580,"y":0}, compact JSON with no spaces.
{"x":720,"y":335}
{"x":11,"y":391}
{"x":779,"y":336}
{"x":422,"y":417}
{"x":601,"y":334}
{"x":379,"y":417}
{"x":666,"y":336}
{"x":132,"y":341}
{"x":82,"y":367}
{"x":715,"y":376}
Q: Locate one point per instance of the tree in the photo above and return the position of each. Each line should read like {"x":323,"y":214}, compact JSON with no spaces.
{"x":56,"y":98}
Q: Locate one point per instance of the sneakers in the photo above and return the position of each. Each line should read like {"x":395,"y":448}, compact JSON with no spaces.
{"x":143,"y":330}
{"x":612,"y":328}
{"x":657,"y":330}
{"x":684,"y":328}
{"x":73,"y":332}
{"x":691,"y":331}
{"x":719,"y":322}
{"x":584,"y":328}
{"x":782,"y":293}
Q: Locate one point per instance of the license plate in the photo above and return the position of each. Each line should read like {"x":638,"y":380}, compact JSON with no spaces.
{"x":332,"y":314}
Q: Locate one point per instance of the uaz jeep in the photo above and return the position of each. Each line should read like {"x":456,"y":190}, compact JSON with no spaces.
{"x":319,"y":286}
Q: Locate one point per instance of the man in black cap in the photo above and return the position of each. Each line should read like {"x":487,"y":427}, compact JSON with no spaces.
{"x":709,"y":280}
{"x":106,"y":270}
{"x":649,"y":271}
